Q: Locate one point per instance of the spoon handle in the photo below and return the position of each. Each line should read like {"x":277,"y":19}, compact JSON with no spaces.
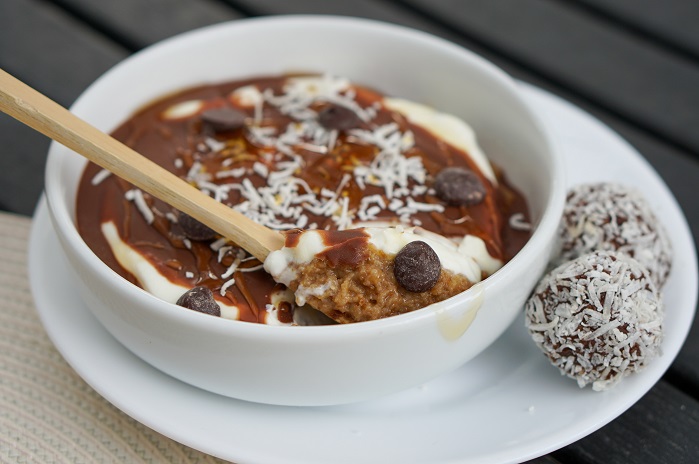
{"x":44,"y":115}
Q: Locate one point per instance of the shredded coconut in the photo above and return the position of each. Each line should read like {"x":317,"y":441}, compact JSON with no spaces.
{"x":100,"y":176}
{"x":285,"y":201}
{"x":136,"y":196}
{"x":518,"y":222}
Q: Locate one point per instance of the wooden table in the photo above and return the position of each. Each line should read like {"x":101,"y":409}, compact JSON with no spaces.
{"x":634,"y":64}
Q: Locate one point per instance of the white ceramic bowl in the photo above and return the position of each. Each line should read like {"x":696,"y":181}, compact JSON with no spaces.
{"x":327,"y":364}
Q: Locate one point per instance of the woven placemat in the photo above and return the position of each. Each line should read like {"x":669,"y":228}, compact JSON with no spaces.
{"x":47,"y":412}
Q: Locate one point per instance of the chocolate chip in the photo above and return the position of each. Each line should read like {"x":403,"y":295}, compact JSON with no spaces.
{"x":417,"y":267}
{"x":338,"y":117}
{"x":459,"y":187}
{"x":223,"y":119}
{"x":200,"y":299}
{"x":194,"y":229}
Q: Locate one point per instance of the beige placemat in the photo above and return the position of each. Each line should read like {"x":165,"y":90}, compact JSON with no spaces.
{"x":47,"y":413}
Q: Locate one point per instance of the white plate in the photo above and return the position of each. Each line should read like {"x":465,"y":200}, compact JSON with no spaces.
{"x":506,"y":405}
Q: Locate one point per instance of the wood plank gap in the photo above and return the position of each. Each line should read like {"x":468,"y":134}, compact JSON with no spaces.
{"x":4,"y":207}
{"x":638,"y":31}
{"x":96,"y":25}
{"x":559,"y":85}
{"x":241,"y":8}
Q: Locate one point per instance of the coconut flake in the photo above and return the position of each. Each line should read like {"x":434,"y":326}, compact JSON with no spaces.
{"x":518,"y":222}
{"x":100,"y":176}
{"x":136,"y":196}
{"x":228,"y":284}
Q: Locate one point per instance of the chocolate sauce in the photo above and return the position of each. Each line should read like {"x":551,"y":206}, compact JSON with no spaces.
{"x":345,"y":247}
{"x":187,"y":144}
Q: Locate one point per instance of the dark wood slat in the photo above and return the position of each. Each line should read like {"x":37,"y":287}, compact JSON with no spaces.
{"x":58,"y":56}
{"x":21,"y":166}
{"x":661,"y":428}
{"x":50,"y":50}
{"x":635,"y":79}
{"x":373,"y":9}
{"x":136,"y":23}
{"x":382,"y":10}
{"x":672,"y":21}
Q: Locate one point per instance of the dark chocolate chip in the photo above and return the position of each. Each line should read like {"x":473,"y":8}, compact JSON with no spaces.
{"x":194,"y":229}
{"x":338,"y":117}
{"x":459,"y":187}
{"x":223,"y":119}
{"x":417,"y":267}
{"x":200,"y":299}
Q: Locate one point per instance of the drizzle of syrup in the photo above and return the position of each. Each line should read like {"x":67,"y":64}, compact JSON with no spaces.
{"x":456,"y":322}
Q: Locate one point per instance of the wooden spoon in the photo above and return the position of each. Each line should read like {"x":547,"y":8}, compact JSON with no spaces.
{"x":46,"y":116}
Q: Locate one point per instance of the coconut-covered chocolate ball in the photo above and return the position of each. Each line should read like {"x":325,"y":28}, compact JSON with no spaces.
{"x":608,"y":216}
{"x":597,"y":318}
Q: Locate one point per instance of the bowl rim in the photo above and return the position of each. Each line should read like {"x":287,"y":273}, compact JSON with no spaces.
{"x":63,"y":220}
